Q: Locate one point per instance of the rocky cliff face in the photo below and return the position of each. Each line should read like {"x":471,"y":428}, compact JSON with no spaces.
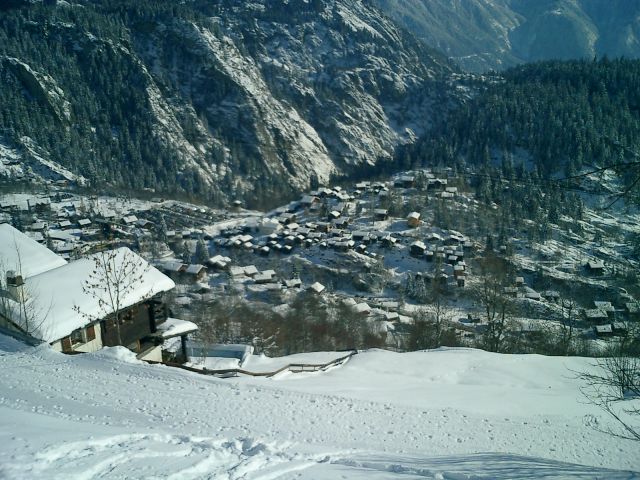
{"x":223,"y":99}
{"x":495,"y":34}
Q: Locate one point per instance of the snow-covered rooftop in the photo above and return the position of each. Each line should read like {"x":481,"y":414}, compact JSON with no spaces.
{"x":194,"y":269}
{"x":174,"y":327}
{"x":317,"y":287}
{"x":24,"y":255}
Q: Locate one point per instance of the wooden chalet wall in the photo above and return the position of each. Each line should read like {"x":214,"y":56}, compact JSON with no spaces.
{"x":136,"y":323}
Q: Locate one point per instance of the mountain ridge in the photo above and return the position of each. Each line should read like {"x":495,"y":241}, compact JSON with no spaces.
{"x":496,"y":34}
{"x":218,"y":100}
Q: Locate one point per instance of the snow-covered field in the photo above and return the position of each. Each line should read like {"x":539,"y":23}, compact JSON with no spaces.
{"x":445,"y":414}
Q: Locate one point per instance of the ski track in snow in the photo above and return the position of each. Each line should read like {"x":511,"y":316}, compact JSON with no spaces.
{"x":92,"y":416}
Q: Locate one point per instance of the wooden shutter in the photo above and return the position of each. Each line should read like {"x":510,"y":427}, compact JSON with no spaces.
{"x":91,"y":333}
{"x":66,"y":344}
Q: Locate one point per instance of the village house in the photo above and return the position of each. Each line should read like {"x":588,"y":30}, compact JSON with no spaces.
{"x":405,"y":181}
{"x":603,"y":331}
{"x":632,"y":309}
{"x":129,"y":219}
{"x":362,"y":308}
{"x":219,"y":262}
{"x":317,"y":287}
{"x":605,"y":307}
{"x":417,"y":248}
{"x":293,"y":283}
{"x":195,"y":272}
{"x":595,"y":315}
{"x":437,"y":183}
{"x":413,"y":220}
{"x":308,"y":200}
{"x":381,"y":214}
{"x":620,"y":329}
{"x":595,"y":267}
{"x":173,"y":268}
{"x":49,"y":299}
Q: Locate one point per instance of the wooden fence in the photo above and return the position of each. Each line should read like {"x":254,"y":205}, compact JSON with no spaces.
{"x":234,"y":372}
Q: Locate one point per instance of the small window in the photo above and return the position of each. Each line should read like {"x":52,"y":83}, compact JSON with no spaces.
{"x":77,"y":337}
{"x":66,"y":344}
{"x":126,"y":317}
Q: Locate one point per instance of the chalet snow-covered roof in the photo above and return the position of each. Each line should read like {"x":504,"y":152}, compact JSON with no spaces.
{"x":236,"y":271}
{"x":250,"y":270}
{"x":174,"y":327}
{"x":262,"y":278}
{"x":194,"y":269}
{"x":173,"y":266}
{"x":391,"y":316}
{"x":362,"y":308}
{"x":219,"y":261}
{"x":595,"y":264}
{"x":293,"y":283}
{"x":604,"y":306}
{"x":349,"y":302}
{"x":632,"y":307}
{"x":532,"y":294}
{"x":24,"y":255}
{"x":58,"y":294}
{"x":390,"y":305}
{"x":595,"y":314}
{"x":602,"y":329}
{"x":317,"y":287}
{"x":419,"y":245}
{"x":37,"y":226}
{"x":407,"y":178}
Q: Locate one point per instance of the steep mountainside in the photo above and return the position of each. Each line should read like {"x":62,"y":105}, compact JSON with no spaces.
{"x":556,"y":119}
{"x":218,"y":99}
{"x":495,"y":34}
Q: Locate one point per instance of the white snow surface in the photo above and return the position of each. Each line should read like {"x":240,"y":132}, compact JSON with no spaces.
{"x":23,"y":255}
{"x":445,"y":414}
{"x":174,"y":327}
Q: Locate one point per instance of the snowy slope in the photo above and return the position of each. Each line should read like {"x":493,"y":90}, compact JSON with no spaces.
{"x":443,"y":414}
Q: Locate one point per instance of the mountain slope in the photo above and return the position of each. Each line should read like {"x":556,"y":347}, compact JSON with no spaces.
{"x":215,"y":99}
{"x":496,"y":34}
{"x":437,"y":414}
{"x":555,"y":119}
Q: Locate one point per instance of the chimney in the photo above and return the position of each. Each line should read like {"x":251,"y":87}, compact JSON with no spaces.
{"x":15,"y":286}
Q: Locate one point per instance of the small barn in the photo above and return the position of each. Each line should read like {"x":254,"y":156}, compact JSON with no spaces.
{"x":595,"y":267}
{"x":417,"y":248}
{"x":413,"y":220}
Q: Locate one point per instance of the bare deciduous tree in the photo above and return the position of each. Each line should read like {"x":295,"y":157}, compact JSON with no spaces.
{"x":568,"y":316}
{"x":115,"y":275}
{"x":614,"y":386}
{"x":497,"y":306}
{"x":18,"y":303}
{"x":431,"y":323}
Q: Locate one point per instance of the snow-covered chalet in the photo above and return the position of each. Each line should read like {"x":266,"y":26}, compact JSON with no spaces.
{"x":44,"y":297}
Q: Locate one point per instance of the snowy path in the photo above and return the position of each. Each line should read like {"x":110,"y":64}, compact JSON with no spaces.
{"x":96,"y":416}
